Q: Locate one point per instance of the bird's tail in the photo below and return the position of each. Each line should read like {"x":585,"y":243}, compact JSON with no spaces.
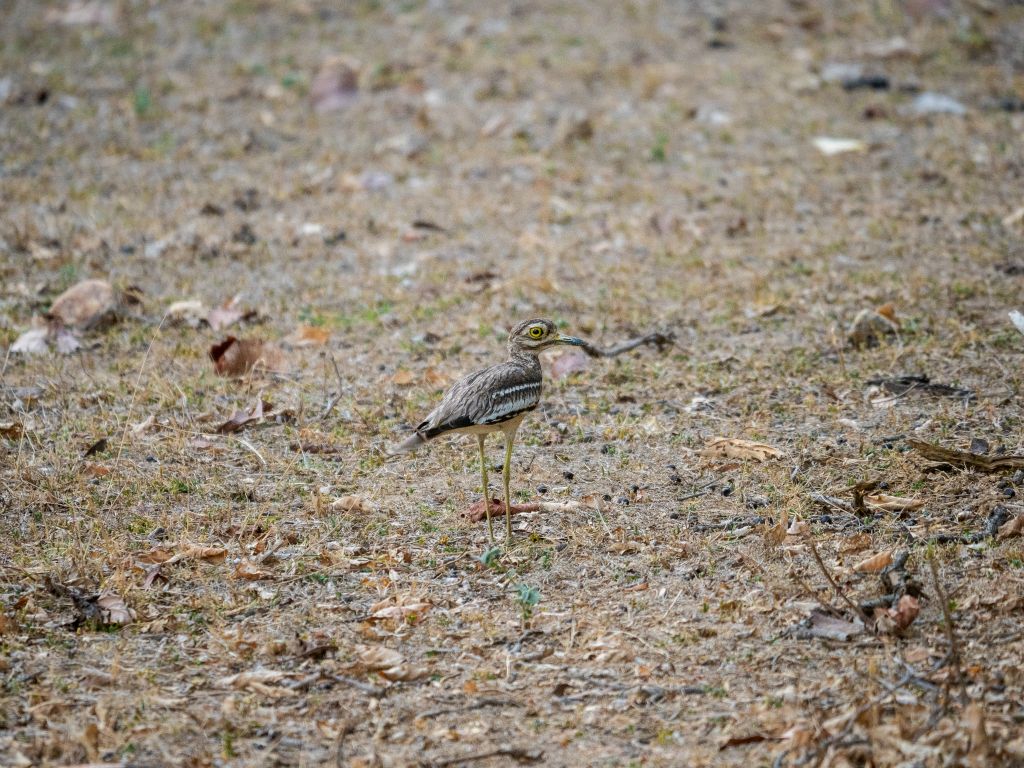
{"x":410,"y":444}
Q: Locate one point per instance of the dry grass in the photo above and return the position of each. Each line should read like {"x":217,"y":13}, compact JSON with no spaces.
{"x":658,"y":623}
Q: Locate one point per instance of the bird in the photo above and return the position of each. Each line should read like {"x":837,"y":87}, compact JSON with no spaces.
{"x":494,"y":399}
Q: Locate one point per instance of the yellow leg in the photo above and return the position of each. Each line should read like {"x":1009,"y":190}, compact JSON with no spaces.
{"x":505,"y":472}
{"x":487,"y":502}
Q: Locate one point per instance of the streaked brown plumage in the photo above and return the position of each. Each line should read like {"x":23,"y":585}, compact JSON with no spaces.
{"x":494,"y":399}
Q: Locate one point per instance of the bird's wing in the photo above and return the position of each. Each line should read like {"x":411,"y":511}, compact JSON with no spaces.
{"x":489,"y":396}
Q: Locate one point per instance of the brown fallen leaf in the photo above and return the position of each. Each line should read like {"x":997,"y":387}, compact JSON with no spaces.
{"x":905,"y":611}
{"x":308,"y":336}
{"x":12,"y":430}
{"x":403,"y":378}
{"x":351,"y":504}
{"x":241,"y":419}
{"x":892,"y":503}
{"x":249,"y":571}
{"x":199,"y":552}
{"x":113,"y":609}
{"x":476,"y":511}
{"x":399,"y":609}
{"x":238,"y":357}
{"x":875,"y":563}
{"x":376,"y":657}
{"x":155,"y":556}
{"x":436,"y":378}
{"x":736,"y":448}
{"x":1011,"y":528}
{"x":84,"y":305}
{"x":259,"y":681}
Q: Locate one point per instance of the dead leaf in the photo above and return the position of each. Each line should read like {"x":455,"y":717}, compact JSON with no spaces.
{"x":336,"y":85}
{"x":309,"y":336}
{"x":85,"y":304}
{"x":821,"y":624}
{"x":113,"y":609}
{"x":892,"y":503}
{"x":436,"y":378}
{"x":856,"y":543}
{"x":1011,"y":528}
{"x":570,"y":361}
{"x":12,"y":430}
{"x":227,"y":315}
{"x":377,"y":657}
{"x":736,"y":448}
{"x":31,"y":342}
{"x":199,"y":552}
{"x":403,"y":377}
{"x":238,"y":357}
{"x":399,"y":609}
{"x":249,"y":571}
{"x":905,"y":611}
{"x":351,"y":504}
{"x":191,"y":312}
{"x":259,"y":681}
{"x":241,"y":419}
{"x":155,"y":556}
{"x":875,"y":563}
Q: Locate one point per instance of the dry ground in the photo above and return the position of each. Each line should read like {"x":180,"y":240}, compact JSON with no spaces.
{"x":619,"y":167}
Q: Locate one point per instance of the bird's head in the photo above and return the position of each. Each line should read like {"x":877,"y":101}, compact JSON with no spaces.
{"x":534,"y":336}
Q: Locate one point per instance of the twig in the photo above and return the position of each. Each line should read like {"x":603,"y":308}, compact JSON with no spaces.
{"x":838,"y":590}
{"x":954,"y":647}
{"x":339,"y":744}
{"x":520,"y":754}
{"x":367,"y":688}
{"x":341,"y":388}
{"x":660,"y":340}
{"x":480,"y":704}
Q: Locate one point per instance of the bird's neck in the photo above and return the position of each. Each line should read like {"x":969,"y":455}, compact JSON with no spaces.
{"x":527,"y":360}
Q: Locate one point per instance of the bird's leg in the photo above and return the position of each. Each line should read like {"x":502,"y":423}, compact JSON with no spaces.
{"x":487,"y":502}
{"x":505,"y":472}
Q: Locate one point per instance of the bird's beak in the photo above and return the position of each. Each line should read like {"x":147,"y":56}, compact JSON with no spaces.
{"x":572,"y":340}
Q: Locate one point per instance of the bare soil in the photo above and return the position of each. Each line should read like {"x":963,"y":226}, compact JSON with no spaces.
{"x":279,"y":594}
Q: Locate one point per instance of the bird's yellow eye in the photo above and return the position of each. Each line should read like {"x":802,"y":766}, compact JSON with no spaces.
{"x":536,"y":332}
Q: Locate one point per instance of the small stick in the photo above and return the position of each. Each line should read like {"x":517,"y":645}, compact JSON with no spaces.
{"x":660,"y":340}
{"x":838,"y":590}
{"x":516,"y":753}
{"x":954,"y":646}
{"x":341,"y":388}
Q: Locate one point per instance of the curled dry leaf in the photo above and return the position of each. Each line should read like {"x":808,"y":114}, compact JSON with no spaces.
{"x":1011,"y":528}
{"x":227,"y":315}
{"x":247,"y":570}
{"x":389,"y":664}
{"x":12,"y":430}
{"x":351,"y":504}
{"x":736,"y":448}
{"x":403,"y":378}
{"x":199,"y":552}
{"x":113,"y":609}
{"x":875,"y":563}
{"x":400,"y":608}
{"x":238,"y":357}
{"x":905,"y":611}
{"x":85,"y":304}
{"x":257,"y":680}
{"x":892,"y":503}
{"x":241,"y":419}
